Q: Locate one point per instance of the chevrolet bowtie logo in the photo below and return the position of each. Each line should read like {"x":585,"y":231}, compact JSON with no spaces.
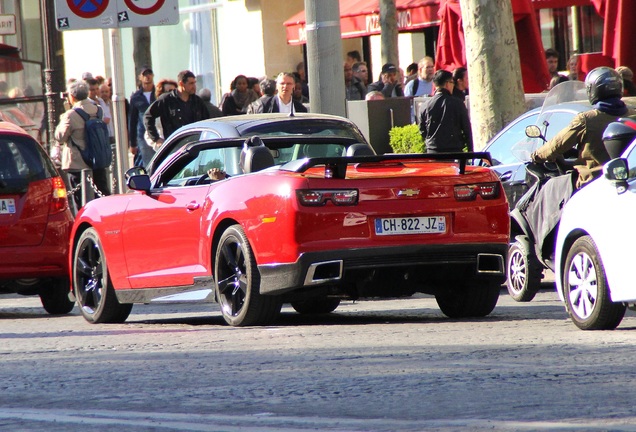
{"x":409,"y":192}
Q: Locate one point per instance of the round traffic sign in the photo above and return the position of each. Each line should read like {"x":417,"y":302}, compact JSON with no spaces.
{"x":87,"y":8}
{"x":144,"y":7}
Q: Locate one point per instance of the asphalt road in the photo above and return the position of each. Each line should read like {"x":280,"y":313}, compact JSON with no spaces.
{"x":396,"y":365}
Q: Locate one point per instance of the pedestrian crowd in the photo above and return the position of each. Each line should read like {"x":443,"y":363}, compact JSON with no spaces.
{"x":157,"y":109}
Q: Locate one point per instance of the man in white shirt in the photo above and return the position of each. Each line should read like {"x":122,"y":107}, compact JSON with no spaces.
{"x":282,"y":101}
{"x":423,"y":85}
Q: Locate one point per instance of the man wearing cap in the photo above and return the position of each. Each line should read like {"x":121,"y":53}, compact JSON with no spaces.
{"x":388,"y":83}
{"x":139,"y":103}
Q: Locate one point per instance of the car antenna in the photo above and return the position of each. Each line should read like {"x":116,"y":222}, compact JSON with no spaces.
{"x":291,"y":112}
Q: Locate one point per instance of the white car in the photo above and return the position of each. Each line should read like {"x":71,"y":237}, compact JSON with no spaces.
{"x":595,"y":271}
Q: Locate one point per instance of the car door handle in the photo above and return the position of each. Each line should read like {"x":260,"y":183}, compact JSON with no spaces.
{"x":192,"y":206}
{"x":505,"y":176}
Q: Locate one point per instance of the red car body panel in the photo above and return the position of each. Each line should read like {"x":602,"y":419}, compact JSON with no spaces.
{"x":34,"y":238}
{"x":166,"y":238}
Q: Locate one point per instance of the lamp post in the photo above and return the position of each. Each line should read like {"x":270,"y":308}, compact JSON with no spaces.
{"x":54,"y":73}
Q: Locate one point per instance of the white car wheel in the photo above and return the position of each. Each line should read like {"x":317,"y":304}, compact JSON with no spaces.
{"x":586,"y":291}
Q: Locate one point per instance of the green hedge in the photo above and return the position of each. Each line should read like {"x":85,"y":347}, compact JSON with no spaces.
{"x":406,"y":139}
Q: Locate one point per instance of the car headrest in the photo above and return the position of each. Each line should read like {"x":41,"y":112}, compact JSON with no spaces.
{"x":256,"y":158}
{"x":359,"y":150}
{"x":253,"y":142}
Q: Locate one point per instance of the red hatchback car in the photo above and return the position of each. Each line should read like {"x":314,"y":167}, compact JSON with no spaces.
{"x":35,"y":222}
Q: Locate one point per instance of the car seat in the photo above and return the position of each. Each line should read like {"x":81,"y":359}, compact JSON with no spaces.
{"x":359,"y":149}
{"x":255,"y":156}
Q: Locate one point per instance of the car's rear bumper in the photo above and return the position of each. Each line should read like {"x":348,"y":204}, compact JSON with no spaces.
{"x":329,"y":267}
{"x":33,"y":262}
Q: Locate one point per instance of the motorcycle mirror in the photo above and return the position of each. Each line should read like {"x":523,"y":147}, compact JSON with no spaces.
{"x":533,"y":131}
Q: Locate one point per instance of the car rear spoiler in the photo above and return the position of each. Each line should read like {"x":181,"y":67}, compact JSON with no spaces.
{"x":336,"y":167}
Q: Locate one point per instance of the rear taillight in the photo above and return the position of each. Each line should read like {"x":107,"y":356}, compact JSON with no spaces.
{"x":469,"y":192}
{"x":59,"y":201}
{"x":316,"y":198}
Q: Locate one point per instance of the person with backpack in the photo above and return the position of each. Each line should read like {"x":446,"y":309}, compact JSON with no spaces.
{"x":423,"y":84}
{"x":71,"y":134}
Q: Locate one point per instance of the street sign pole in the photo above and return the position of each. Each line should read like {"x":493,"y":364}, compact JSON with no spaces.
{"x":119,"y":107}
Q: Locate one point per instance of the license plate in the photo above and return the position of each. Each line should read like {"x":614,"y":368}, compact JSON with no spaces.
{"x":7,"y":206}
{"x":410,"y":225}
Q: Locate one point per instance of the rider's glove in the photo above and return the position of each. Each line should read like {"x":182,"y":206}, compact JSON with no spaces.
{"x":536,"y":158}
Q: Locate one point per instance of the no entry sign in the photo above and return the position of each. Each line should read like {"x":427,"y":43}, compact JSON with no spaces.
{"x":100,"y":14}
{"x":146,"y":13}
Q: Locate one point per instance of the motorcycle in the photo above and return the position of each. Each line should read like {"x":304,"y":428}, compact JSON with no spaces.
{"x":534,"y":225}
{"x":530,"y":252}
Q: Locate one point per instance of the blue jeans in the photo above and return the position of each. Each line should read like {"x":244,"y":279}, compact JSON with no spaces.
{"x":145,"y":150}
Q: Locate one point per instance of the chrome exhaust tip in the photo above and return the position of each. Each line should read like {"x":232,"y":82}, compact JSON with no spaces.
{"x":321,"y":272}
{"x":490,"y":264}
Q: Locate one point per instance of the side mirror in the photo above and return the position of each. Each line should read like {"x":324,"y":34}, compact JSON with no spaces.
{"x":617,"y":171}
{"x":533,"y":131}
{"x":135,"y":171}
{"x":139,"y":182}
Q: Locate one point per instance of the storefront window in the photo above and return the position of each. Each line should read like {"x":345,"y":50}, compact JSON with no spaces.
{"x":559,"y":31}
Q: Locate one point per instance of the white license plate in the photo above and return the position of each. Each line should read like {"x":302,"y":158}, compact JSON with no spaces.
{"x":410,"y":225}
{"x":7,"y":206}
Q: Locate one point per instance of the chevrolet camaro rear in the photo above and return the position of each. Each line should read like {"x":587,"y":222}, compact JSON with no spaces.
{"x":310,"y":232}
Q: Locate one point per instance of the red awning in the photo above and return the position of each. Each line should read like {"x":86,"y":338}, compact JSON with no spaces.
{"x":619,"y":31}
{"x":450,"y":44}
{"x":549,"y":4}
{"x":10,"y":59}
{"x":362,"y":18}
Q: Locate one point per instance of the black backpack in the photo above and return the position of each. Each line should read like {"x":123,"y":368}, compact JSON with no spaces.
{"x":98,"y":153}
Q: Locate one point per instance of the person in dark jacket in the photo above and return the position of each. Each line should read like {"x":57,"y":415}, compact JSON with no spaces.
{"x":176,"y":108}
{"x":139,"y":103}
{"x":388,"y":83}
{"x":206,"y":95}
{"x":282,"y":101}
{"x":444,"y":122}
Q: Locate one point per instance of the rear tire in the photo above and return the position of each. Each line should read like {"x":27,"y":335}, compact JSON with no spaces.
{"x":317,"y":305}
{"x":237,"y":283}
{"x":471,"y":300}
{"x":523,"y":271}
{"x":54,"y":297}
{"x":585,"y":289}
{"x":93,"y":288}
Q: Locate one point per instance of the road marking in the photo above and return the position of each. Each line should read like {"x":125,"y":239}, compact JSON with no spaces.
{"x":268,"y":422}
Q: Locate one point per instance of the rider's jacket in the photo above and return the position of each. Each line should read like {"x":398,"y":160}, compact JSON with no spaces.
{"x":585,"y":133}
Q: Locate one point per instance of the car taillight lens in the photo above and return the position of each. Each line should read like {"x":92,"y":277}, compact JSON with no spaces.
{"x":315,"y":198}
{"x":469,"y":192}
{"x":59,"y":201}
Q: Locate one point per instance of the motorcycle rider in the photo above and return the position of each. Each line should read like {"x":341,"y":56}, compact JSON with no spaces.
{"x":585,"y":132}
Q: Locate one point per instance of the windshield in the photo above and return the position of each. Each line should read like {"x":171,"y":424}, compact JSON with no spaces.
{"x":551,"y":120}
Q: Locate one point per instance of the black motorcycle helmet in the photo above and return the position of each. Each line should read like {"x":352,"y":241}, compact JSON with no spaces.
{"x":618,"y":135}
{"x":603,"y":83}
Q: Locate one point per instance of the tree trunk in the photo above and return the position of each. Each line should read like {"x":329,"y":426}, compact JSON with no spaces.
{"x":141,"y":49}
{"x":494,"y":70}
{"x":389,"y":35}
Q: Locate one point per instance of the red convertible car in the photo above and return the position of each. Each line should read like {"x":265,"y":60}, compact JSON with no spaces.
{"x":306,"y":220}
